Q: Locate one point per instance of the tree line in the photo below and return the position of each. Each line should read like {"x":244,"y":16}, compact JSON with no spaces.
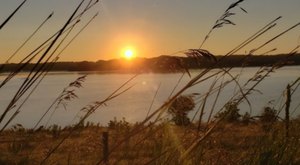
{"x":166,"y":63}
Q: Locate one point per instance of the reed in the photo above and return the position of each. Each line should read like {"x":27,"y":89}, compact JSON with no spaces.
{"x":287,"y":110}
{"x":41,"y":68}
{"x":12,"y":14}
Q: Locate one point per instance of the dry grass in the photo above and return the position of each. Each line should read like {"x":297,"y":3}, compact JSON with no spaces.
{"x":229,"y":143}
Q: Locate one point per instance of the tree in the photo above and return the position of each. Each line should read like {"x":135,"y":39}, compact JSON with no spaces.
{"x":180,"y":108}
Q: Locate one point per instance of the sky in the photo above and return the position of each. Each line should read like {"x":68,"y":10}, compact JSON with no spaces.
{"x":149,"y":27}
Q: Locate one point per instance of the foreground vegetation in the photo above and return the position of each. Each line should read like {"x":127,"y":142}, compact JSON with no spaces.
{"x":257,"y":142}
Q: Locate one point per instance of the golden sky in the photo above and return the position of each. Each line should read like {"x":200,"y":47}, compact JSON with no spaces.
{"x":149,"y":27}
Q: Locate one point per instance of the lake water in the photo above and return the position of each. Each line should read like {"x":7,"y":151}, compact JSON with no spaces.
{"x":134,"y":104}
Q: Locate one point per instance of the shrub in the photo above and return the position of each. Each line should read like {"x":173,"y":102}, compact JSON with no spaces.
{"x":246,"y":118}
{"x":180,"y":108}
{"x":268,"y":115}
{"x":230,"y":114}
{"x":119,"y":124}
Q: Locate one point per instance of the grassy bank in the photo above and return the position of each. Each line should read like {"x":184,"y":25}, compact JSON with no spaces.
{"x":230,"y":143}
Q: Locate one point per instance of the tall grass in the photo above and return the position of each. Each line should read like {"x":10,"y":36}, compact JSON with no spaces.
{"x":12,"y":14}
{"x":41,"y":67}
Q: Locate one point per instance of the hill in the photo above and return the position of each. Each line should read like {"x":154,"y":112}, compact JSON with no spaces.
{"x":165,"y":63}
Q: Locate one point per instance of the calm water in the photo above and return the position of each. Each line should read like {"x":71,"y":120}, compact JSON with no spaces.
{"x":134,"y":104}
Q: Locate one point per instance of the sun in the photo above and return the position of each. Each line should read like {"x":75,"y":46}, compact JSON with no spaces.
{"x":129,"y":54}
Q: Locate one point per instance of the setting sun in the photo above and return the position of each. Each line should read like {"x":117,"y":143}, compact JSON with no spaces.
{"x":129,"y":54}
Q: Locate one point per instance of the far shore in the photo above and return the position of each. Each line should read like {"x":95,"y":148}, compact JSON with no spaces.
{"x":162,"y":64}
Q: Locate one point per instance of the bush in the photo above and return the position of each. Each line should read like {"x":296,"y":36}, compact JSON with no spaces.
{"x":181,"y":120}
{"x":180,"y":108}
{"x":119,"y":124}
{"x":230,"y":114}
{"x":246,"y":118}
{"x":268,"y":115}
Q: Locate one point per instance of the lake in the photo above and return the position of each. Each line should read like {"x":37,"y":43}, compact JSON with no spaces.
{"x":134,"y":104}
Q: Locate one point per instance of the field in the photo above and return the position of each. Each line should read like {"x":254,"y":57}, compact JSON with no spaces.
{"x":257,"y":142}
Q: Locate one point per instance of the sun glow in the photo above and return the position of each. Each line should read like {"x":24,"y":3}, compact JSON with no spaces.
{"x":129,"y":54}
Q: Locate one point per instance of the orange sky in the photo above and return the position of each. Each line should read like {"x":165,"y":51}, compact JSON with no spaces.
{"x":151,"y":28}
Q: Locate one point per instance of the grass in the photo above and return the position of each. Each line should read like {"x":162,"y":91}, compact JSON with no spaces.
{"x":230,"y":143}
